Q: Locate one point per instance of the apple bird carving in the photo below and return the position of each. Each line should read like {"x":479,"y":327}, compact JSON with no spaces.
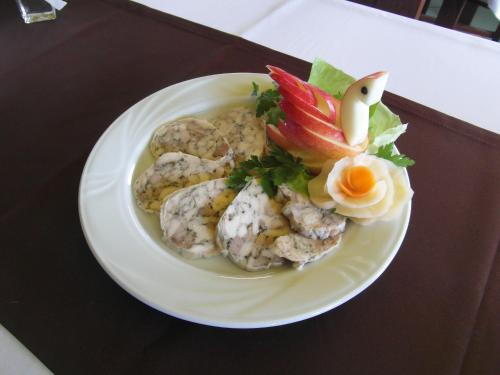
{"x":354,"y":115}
{"x":317,"y":126}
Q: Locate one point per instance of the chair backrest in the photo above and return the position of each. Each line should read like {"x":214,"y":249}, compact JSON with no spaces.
{"x":458,"y":15}
{"x":407,"y":8}
{"x":453,"y":14}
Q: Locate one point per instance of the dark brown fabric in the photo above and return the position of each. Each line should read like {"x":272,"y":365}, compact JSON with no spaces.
{"x":434,"y":311}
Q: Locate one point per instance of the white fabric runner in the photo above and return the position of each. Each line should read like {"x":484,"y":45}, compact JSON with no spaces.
{"x":16,"y":359}
{"x":453,"y":72}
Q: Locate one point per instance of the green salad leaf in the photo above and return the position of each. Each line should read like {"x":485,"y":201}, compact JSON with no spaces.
{"x":386,"y":137}
{"x":328,"y":78}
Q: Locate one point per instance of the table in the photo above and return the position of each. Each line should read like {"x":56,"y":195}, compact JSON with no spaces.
{"x":433,"y":309}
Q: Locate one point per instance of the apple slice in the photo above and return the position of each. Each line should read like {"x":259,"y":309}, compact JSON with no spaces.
{"x":310,"y":121}
{"x":295,"y":87}
{"x":312,"y":160}
{"x":305,"y":95}
{"x":325,"y":102}
{"x":291,"y":133}
{"x":356,"y":105}
{"x":316,"y":142}
{"x":277,"y":137}
{"x":287,"y":79}
{"x":307,"y":107}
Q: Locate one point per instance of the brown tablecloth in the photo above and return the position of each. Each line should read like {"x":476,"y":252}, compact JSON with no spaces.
{"x":434,"y":311}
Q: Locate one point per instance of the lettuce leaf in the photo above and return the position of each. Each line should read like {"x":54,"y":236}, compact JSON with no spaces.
{"x":328,"y":78}
{"x":385,"y":127}
{"x":386,"y":137}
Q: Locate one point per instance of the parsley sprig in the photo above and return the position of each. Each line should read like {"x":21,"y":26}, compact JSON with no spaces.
{"x":387,"y":152}
{"x":268,"y":104}
{"x":274,"y":169}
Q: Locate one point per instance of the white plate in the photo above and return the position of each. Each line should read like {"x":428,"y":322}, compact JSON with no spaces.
{"x":127,"y":242}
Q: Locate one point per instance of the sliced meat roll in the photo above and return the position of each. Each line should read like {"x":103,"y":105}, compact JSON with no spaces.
{"x":245,"y":133}
{"x":192,"y":136}
{"x":308,"y":220}
{"x":173,"y":171}
{"x":249,"y":227}
{"x":301,"y":250}
{"x":189,"y":216}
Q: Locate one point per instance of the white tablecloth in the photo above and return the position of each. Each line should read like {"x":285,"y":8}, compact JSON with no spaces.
{"x":452,"y":72}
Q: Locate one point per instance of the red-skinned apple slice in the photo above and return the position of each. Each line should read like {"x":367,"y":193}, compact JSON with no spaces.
{"x":295,"y":87}
{"x":320,"y":144}
{"x":307,"y":107}
{"x":287,"y":78}
{"x":311,"y":122}
{"x":306,"y":95}
{"x":290,"y":133}
{"x":312,"y":160}
{"x":325,"y":103}
{"x":277,"y":137}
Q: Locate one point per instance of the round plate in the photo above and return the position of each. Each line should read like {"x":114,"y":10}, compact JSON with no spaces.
{"x":127,"y":242}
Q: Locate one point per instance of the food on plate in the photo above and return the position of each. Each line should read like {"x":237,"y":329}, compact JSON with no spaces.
{"x":302,"y":250}
{"x":257,"y":232}
{"x":190,"y":135}
{"x":364,"y":188}
{"x":273,"y":169}
{"x":317,"y":187}
{"x":244,"y":132}
{"x":315,"y":121}
{"x":356,"y":104}
{"x":309,"y":158}
{"x":312,"y":160}
{"x":173,"y":171}
{"x":309,"y":220}
{"x":249,"y":227}
{"x":325,"y":125}
{"x":314,"y":231}
{"x":189,"y":217}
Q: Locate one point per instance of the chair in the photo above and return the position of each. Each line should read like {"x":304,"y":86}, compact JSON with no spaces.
{"x":412,"y":9}
{"x":453,"y":14}
{"x":458,"y":14}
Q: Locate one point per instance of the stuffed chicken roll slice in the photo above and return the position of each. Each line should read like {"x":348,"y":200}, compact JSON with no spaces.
{"x":189,"y":216}
{"x":173,"y":171}
{"x":308,"y":220}
{"x":190,"y":135}
{"x":244,"y":131}
{"x":301,"y":250}
{"x":249,"y":227}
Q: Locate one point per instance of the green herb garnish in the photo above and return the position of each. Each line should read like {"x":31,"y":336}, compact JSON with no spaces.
{"x":255,"y":89}
{"x":274,"y":169}
{"x":387,"y":152}
{"x":268,"y":104}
